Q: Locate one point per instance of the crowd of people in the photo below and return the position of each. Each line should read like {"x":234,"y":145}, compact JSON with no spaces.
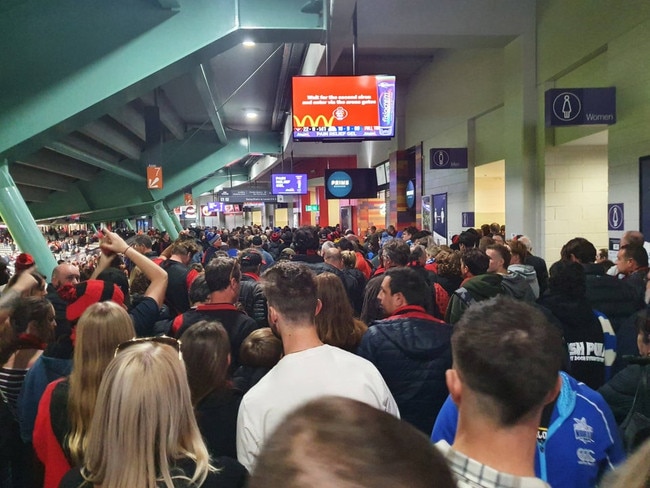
{"x":307,"y":357}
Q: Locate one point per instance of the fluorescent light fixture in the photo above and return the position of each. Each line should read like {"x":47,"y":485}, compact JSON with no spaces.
{"x":248,"y":43}
{"x":251,"y":114}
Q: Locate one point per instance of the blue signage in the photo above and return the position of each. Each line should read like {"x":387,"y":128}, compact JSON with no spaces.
{"x":289,"y":184}
{"x":215,"y":206}
{"x":246,"y":195}
{"x":339,"y":184}
{"x":580,"y":106}
{"x":440,"y":218}
{"x":468,"y":219}
{"x":615,"y":216}
{"x":410,"y":194}
{"x":448,"y":158}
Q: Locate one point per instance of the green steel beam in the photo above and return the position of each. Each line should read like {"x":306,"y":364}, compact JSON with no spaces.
{"x":204,"y":81}
{"x":21,"y":224}
{"x":122,"y":50}
{"x":185,"y":166}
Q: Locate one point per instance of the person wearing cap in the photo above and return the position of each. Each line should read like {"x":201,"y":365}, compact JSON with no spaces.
{"x":257,"y":244}
{"x":250,"y":292}
{"x":215,"y":244}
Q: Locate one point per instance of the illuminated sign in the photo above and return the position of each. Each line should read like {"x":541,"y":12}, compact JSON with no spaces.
{"x":289,"y":184}
{"x":343,"y":107}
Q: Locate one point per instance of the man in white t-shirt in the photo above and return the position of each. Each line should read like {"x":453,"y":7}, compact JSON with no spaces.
{"x":309,"y":368}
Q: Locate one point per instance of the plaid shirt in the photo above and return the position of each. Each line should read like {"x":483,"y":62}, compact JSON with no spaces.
{"x":472,"y":474}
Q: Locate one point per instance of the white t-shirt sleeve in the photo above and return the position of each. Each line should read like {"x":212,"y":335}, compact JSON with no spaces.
{"x":248,"y":439}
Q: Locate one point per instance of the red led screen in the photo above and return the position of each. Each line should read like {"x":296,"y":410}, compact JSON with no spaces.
{"x":343,"y":107}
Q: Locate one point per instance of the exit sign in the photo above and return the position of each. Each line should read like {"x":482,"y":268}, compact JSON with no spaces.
{"x":312,"y":208}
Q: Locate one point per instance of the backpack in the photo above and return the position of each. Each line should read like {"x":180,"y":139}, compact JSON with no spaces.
{"x":635,"y":429}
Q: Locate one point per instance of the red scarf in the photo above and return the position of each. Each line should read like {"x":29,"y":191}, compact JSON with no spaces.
{"x":30,"y":341}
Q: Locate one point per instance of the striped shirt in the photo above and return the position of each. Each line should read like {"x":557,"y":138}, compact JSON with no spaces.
{"x":11,"y":381}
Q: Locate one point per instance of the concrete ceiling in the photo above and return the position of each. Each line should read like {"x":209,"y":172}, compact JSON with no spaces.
{"x":80,"y":79}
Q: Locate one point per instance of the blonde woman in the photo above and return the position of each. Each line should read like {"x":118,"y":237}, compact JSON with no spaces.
{"x":144,"y":433}
{"x":67,"y":406}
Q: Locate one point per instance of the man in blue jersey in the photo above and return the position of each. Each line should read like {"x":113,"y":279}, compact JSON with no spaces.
{"x":577,"y":437}
{"x":506,"y":363}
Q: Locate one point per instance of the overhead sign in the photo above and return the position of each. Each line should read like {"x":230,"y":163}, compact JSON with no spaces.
{"x":154,"y":178}
{"x":289,"y":184}
{"x":215,"y":206}
{"x":246,"y":195}
{"x":350,"y":183}
{"x":448,"y":158}
{"x":312,"y":208}
{"x":188,"y":211}
{"x":615,"y":216}
{"x":580,"y":106}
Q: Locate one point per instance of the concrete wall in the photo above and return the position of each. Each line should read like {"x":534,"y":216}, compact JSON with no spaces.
{"x":580,"y":45}
{"x":492,"y":101}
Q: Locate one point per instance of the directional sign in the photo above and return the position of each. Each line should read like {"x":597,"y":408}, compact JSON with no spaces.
{"x":448,"y":158}
{"x":468,"y":219}
{"x":580,"y":106}
{"x":615,"y":216}
{"x":154,"y":178}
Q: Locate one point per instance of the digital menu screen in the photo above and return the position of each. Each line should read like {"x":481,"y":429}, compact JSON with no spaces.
{"x":289,"y":184}
{"x":343,"y":108}
{"x":350,"y":183}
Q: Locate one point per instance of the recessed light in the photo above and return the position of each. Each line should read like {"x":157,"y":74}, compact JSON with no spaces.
{"x":248,"y":43}
{"x":251,"y":114}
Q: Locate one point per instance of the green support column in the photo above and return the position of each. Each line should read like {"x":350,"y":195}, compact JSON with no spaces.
{"x":129,"y":224}
{"x":156,"y":221}
{"x":166,"y":222}
{"x":21,"y":224}
{"x":176,"y":220}
{"x":93,"y":227}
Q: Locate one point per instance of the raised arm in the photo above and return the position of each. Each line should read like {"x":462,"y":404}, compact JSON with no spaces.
{"x":25,"y":281}
{"x":158,"y":276}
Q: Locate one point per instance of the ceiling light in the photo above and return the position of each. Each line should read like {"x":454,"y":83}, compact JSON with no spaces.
{"x":248,"y":43}
{"x":251,"y":114}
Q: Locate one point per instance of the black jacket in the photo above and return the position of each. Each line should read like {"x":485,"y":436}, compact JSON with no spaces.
{"x":253,"y":300}
{"x":216,"y":415}
{"x":237,"y":324}
{"x":412,"y":350}
{"x":583,"y":335}
{"x":620,"y":390}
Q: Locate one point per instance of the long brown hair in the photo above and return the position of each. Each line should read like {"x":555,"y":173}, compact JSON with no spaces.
{"x":206,"y":350}
{"x":336,"y":323}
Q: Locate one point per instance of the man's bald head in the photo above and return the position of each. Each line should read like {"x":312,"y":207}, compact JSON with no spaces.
{"x":333,"y":257}
{"x":65,"y":273}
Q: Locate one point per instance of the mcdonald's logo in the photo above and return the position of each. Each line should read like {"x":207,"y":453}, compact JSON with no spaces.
{"x":308,"y":121}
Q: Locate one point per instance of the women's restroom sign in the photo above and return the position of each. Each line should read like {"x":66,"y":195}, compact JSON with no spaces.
{"x":615,"y":214}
